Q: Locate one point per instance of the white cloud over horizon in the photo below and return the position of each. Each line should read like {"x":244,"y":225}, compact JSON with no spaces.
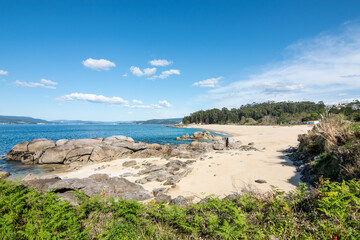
{"x":160,"y":105}
{"x":209,"y":83}
{"x":165,"y":104}
{"x":98,"y":64}
{"x":317,"y":69}
{"x":145,"y":72}
{"x":44,"y":83}
{"x":160,"y":62}
{"x":3,"y":72}
{"x":93,"y":98}
{"x":166,"y":74}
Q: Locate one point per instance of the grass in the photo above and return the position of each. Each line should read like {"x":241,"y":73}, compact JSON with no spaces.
{"x":330,"y":211}
{"x":333,"y":148}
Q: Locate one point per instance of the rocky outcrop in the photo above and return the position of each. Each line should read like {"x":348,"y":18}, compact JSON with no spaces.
{"x":198,"y":136}
{"x":168,"y":174}
{"x":30,"y":152}
{"x":80,"y":151}
{"x":179,"y":125}
{"x":97,"y":184}
{"x":107,"y":152}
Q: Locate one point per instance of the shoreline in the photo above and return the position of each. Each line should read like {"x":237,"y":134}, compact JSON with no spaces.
{"x":230,"y":171}
{"x":217,"y":172}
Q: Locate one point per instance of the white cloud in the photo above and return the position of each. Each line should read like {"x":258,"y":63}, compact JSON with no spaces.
{"x":137,"y":101}
{"x":164,"y":104}
{"x":210,"y":83}
{"x":93,"y":98}
{"x":166,"y":74}
{"x":125,"y":75}
{"x":136,"y":71}
{"x":317,"y":69}
{"x":146,"y":72}
{"x":48,"y":82}
{"x":36,"y":84}
{"x":98,"y":64}
{"x":160,"y":62}
{"x":160,"y":105}
{"x":3,"y":72}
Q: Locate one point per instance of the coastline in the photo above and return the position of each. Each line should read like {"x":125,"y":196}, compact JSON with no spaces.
{"x":216,"y":171}
{"x":224,"y":172}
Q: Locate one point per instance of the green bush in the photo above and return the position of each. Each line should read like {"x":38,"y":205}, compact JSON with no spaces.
{"x":330,"y":211}
{"x":337,"y":143}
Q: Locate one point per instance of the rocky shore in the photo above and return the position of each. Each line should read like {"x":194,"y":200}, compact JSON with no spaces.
{"x":82,"y":151}
{"x":122,"y":168}
{"x":159,"y":168}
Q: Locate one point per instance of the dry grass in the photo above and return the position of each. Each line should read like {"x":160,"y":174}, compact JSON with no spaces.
{"x":333,"y":130}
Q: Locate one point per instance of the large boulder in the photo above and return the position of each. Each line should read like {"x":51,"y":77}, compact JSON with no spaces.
{"x":198,"y":136}
{"x":103,"y":153}
{"x":118,"y":138}
{"x":55,"y":154}
{"x":83,"y":142}
{"x":106,"y":186}
{"x":38,"y":146}
{"x":21,"y":147}
{"x":79,"y":154}
{"x":219,"y":144}
{"x":40,"y":184}
{"x":61,"y":142}
{"x":17,"y":152}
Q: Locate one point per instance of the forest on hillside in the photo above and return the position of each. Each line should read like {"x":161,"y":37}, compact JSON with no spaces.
{"x":260,"y":113}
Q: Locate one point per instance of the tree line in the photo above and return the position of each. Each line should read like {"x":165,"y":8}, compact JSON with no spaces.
{"x":260,"y":113}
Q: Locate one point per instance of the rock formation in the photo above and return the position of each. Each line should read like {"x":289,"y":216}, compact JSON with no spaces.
{"x":97,"y":184}
{"x":82,"y":151}
{"x":198,"y":136}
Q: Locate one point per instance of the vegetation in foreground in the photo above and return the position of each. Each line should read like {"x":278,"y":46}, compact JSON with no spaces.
{"x":333,"y":148}
{"x":331,"y":211}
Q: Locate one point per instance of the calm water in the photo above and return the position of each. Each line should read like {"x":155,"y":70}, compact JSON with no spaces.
{"x":11,"y":135}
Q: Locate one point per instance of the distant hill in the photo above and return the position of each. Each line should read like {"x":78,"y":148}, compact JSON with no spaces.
{"x":160,"y":121}
{"x":21,"y":120}
{"x":29,"y":120}
{"x":81,"y":122}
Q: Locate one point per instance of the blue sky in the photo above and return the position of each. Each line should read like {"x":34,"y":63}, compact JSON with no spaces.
{"x":136,"y":60}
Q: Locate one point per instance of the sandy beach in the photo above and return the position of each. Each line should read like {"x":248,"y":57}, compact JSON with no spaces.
{"x":224,"y":172}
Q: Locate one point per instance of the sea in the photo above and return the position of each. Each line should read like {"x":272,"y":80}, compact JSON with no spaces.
{"x":12,"y":134}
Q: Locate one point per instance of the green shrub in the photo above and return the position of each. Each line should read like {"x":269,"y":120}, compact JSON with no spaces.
{"x":330,"y":211}
{"x":337,"y":143}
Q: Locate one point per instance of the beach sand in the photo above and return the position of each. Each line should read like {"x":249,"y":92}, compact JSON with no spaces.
{"x":225,"y":172}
